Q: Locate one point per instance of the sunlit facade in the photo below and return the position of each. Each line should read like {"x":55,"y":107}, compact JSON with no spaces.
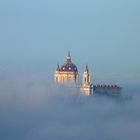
{"x":86,"y":87}
{"x":68,"y":73}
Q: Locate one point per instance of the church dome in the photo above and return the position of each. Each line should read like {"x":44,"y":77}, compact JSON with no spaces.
{"x":68,"y":66}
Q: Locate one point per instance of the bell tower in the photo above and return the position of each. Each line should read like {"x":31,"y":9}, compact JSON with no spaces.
{"x":86,"y":88}
{"x":86,"y":77}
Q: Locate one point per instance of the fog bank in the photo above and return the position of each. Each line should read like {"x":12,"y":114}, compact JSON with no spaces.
{"x":31,"y":108}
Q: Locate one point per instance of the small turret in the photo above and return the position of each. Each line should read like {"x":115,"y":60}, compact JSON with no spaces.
{"x":69,"y":58}
{"x":58,"y":68}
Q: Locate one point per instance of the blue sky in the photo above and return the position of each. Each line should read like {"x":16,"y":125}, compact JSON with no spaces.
{"x":36,"y":35}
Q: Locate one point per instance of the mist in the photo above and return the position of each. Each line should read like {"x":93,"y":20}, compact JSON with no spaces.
{"x":31,"y":108}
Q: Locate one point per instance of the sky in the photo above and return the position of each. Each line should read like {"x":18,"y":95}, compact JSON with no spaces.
{"x":36,"y":35}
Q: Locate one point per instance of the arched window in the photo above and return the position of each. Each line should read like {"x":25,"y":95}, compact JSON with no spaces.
{"x":85,"y":79}
{"x":56,"y":79}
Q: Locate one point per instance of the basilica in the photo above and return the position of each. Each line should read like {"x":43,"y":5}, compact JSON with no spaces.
{"x":68,"y":73}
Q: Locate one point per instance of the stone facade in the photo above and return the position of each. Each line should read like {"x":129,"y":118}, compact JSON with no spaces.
{"x":86,"y":87}
{"x":66,"y":77}
{"x":68,"y":73}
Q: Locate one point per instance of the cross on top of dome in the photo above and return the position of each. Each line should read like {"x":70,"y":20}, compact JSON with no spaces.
{"x":68,"y":66}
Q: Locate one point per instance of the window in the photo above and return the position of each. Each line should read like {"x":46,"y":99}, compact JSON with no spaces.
{"x":85,"y":79}
{"x":56,"y":79}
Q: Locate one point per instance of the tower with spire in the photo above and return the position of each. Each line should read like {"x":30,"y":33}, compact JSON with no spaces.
{"x":86,"y":87}
{"x":86,"y":76}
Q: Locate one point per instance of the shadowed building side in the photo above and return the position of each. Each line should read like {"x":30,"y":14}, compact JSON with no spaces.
{"x":107,"y":89}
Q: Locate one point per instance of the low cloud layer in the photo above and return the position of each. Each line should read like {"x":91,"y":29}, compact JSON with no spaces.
{"x":33,"y":109}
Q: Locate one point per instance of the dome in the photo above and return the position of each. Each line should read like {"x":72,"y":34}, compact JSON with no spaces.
{"x":68,"y":66}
